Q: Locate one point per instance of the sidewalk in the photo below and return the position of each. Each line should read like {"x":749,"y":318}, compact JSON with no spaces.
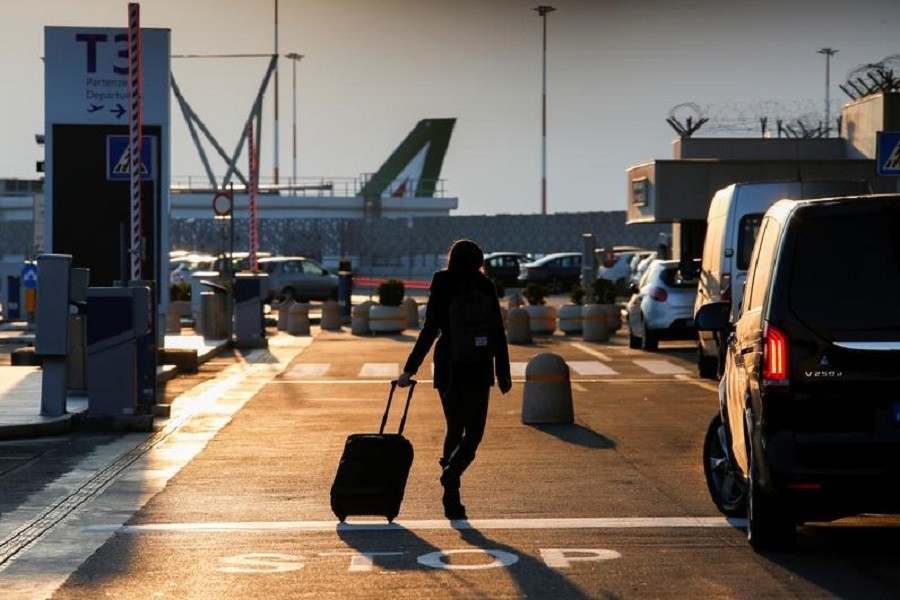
{"x":20,"y":386}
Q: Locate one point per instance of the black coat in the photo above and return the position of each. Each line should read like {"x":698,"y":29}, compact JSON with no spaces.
{"x":444,"y":285}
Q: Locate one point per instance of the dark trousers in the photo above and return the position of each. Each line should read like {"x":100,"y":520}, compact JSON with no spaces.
{"x":465,"y":413}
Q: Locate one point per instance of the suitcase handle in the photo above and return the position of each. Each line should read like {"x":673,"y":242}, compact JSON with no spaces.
{"x":387,"y":409}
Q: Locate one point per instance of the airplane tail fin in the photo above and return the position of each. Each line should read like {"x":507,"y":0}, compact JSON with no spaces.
{"x":414,"y":168}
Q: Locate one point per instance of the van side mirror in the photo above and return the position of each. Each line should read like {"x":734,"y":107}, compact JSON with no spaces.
{"x":713,"y":316}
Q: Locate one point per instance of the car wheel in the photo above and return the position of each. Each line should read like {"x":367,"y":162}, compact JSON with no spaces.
{"x":289,"y":294}
{"x":707,"y":366}
{"x":726,"y":486}
{"x":649,"y":342}
{"x":633,"y":340}
{"x":770,"y":524}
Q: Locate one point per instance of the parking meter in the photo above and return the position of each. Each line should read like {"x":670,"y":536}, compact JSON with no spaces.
{"x":51,"y":340}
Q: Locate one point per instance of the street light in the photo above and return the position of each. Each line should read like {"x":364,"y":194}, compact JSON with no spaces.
{"x":542,"y":12}
{"x":295,"y":58}
{"x":828,"y":52}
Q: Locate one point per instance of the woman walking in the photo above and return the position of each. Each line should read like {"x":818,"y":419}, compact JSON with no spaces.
{"x":462,"y":381}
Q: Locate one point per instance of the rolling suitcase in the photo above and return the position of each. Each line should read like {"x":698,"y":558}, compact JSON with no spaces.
{"x":371,"y":476}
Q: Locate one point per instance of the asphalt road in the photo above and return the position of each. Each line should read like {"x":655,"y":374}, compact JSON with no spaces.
{"x":229,"y":497}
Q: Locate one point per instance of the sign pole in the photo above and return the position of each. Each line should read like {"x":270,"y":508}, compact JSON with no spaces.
{"x":254,"y":242}
{"x":134,"y":131}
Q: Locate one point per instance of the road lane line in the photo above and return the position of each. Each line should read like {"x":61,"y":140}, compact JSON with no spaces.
{"x":590,"y":367}
{"x":423,"y":525}
{"x":309,"y":370}
{"x":379,"y":370}
{"x":591,"y":351}
{"x":660,"y":367}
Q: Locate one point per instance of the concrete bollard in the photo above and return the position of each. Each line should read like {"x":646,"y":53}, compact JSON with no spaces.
{"x":547,"y":396}
{"x":412,"y":313}
{"x":359,"y":318}
{"x":593,"y":323}
{"x":298,"y":319}
{"x":518,"y":326}
{"x":331,"y":316}
{"x":283,"y":308}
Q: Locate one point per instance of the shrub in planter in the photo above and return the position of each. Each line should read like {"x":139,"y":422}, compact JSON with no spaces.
{"x":577,"y":294}
{"x":535,"y":293}
{"x":603,"y":291}
{"x":391,"y":292}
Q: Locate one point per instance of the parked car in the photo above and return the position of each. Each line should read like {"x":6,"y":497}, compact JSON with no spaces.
{"x":298,"y":278}
{"x":639,"y":264}
{"x":558,"y":272}
{"x":181,"y":265}
{"x":808,"y":428}
{"x":661,"y":306}
{"x":505,"y":266}
{"x":735,"y":213}
{"x":615,"y":265}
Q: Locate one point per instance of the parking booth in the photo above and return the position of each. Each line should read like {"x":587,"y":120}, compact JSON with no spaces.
{"x":249,"y":319}
{"x":119,"y":370}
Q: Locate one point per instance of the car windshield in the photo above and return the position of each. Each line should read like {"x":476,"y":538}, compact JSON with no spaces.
{"x":846,"y":273}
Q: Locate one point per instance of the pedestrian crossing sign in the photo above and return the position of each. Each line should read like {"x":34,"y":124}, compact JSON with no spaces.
{"x":887,"y":153}
{"x":118,"y":163}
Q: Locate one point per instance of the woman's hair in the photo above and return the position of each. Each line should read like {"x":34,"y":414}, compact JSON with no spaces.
{"x":466,"y":256}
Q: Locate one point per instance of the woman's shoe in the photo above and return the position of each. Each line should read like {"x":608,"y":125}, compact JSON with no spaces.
{"x":453,"y":508}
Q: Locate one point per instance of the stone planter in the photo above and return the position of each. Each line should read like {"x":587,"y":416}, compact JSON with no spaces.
{"x":182,"y":307}
{"x":518,"y":327}
{"x":613,"y":317}
{"x":593,"y":323}
{"x":387,"y":319}
{"x":359,"y":318}
{"x":542,"y":319}
{"x":570,"y":319}
{"x":411,"y":308}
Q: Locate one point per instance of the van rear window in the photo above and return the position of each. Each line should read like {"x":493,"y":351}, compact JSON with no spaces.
{"x":748,"y":229}
{"x":846,"y":270}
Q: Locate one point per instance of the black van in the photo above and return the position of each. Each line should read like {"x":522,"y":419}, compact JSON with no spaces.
{"x":809,"y":420}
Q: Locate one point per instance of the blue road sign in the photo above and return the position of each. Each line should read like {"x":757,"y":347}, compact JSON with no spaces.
{"x":118,"y":166}
{"x":29,"y":276}
{"x":887,"y":153}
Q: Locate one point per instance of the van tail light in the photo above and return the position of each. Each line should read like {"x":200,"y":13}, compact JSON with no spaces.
{"x":657,"y":293}
{"x":725,"y":288}
{"x":776,"y":356}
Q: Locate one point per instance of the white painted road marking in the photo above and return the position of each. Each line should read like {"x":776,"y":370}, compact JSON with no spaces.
{"x":310,"y":369}
{"x":517,"y":369}
{"x":379,"y":370}
{"x":591,"y":351}
{"x":660,"y":367}
{"x":423,"y":525}
{"x":590,"y":367}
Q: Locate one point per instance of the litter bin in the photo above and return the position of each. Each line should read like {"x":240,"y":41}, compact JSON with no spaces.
{"x":118,"y":321}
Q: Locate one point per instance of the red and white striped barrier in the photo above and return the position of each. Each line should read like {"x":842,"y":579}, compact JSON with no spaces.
{"x":134,"y":133}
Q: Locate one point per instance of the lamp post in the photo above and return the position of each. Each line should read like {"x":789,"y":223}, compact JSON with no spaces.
{"x":542,"y":12}
{"x":295,"y":58}
{"x":828,"y":52}
{"x":275,"y":132}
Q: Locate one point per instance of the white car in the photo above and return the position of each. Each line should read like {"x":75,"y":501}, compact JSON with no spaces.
{"x":662,"y":306}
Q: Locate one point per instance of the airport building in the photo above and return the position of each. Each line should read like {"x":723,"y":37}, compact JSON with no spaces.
{"x":677,"y":191}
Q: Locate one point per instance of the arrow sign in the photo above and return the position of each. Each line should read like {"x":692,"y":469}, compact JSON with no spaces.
{"x":119,"y":110}
{"x":29,"y":276}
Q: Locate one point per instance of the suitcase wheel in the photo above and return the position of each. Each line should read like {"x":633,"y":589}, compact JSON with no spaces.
{"x":342,"y":518}
{"x":391,"y":518}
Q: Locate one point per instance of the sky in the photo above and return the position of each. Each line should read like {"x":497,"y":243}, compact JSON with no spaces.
{"x":373,"y":68}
